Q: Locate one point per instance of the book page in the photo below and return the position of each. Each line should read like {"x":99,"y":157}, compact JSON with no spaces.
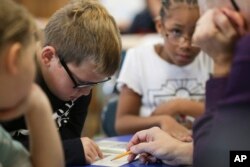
{"x":106,"y":161}
{"x":109,"y":146}
{"x":111,"y":149}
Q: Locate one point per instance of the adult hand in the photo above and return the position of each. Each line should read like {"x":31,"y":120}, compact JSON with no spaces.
{"x":155,"y":144}
{"x":91,"y":150}
{"x":216,"y":33}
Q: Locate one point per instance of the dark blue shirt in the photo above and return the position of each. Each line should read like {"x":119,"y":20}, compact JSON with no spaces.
{"x":225,"y":125}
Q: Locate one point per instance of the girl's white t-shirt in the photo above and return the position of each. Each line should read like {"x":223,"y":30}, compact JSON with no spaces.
{"x":157,"y":81}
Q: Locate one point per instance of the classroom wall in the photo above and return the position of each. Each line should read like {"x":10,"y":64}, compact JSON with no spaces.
{"x":42,"y":8}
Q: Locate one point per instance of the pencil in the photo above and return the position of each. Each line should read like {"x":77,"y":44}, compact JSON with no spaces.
{"x":122,"y":155}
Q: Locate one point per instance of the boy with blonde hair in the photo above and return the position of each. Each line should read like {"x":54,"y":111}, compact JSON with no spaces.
{"x":82,"y":49}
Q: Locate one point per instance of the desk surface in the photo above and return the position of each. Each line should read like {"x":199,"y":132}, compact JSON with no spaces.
{"x":132,"y":164}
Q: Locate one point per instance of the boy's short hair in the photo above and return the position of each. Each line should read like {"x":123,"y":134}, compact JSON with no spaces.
{"x":16,"y":24}
{"x":84,"y":30}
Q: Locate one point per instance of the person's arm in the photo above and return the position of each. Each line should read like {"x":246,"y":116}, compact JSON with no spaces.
{"x":74,"y":147}
{"x":78,"y":150}
{"x":228,"y":121}
{"x":160,"y":145}
{"x":228,"y":106}
{"x":238,"y":88}
{"x":74,"y":152}
{"x":180,"y":106}
{"x":128,"y":120}
{"x":128,"y":107}
{"x":45,"y":144}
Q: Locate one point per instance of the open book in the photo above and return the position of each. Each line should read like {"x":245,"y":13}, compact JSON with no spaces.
{"x":111,"y":149}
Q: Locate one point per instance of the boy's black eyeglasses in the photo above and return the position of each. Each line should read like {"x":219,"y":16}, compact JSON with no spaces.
{"x":83,"y":84}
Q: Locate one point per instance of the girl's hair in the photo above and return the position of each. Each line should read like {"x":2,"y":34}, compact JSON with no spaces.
{"x":167,"y":4}
{"x":16,"y":23}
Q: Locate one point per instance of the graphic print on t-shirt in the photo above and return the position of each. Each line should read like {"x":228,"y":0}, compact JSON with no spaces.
{"x":189,"y":88}
{"x":61,"y":116}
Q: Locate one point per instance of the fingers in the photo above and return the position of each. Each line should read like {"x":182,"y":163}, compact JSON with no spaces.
{"x":224,"y":25}
{"x":201,"y":30}
{"x":91,"y":150}
{"x":163,"y":146}
{"x":186,"y":139}
{"x":147,"y":158}
{"x":139,"y":137}
{"x":131,"y":157}
{"x":236,"y":19}
{"x":144,"y":136}
{"x":140,"y":141}
{"x":100,"y":154}
{"x":141,"y":148}
{"x":216,"y":34}
{"x":143,"y":158}
{"x":135,"y":139}
{"x":219,"y":24}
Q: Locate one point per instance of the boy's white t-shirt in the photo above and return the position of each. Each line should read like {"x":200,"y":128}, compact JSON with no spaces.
{"x":158,"y":81}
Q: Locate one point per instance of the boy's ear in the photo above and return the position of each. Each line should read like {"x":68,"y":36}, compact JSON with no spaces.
{"x":48,"y":53}
{"x":12,"y":58}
